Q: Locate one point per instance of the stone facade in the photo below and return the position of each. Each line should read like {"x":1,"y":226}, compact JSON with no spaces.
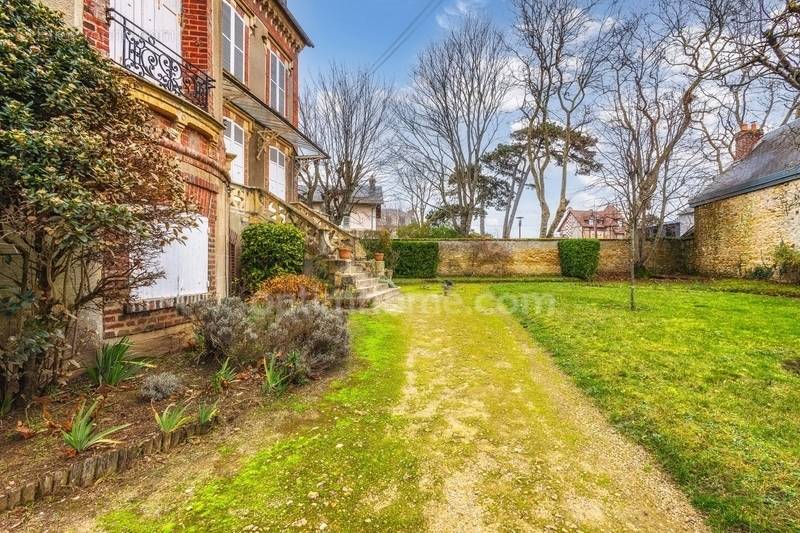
{"x":539,"y":257}
{"x":734,"y":235}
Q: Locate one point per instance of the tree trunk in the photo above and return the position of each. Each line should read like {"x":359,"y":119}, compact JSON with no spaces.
{"x":633,"y":268}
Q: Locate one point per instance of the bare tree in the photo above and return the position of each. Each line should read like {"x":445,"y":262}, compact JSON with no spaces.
{"x":348,"y":112}
{"x":561,"y":50}
{"x":658,"y":65}
{"x":767,"y":35}
{"x":417,"y":191}
{"x":449,"y":116}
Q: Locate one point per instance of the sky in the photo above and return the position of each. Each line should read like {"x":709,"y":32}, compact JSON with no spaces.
{"x":357,"y":33}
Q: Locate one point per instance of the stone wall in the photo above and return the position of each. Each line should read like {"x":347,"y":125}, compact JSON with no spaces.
{"x":736,"y":234}
{"x":539,"y":257}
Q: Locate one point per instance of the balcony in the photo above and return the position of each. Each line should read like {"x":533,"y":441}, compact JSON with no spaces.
{"x":142,"y":54}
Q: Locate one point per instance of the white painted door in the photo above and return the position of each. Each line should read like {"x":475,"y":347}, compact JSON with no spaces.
{"x":277,"y":172}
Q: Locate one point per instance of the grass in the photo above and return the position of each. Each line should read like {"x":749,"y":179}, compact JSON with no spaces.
{"x":696,"y":375}
{"x":325,"y":470}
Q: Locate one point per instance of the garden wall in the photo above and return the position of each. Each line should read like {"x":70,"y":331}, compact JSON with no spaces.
{"x":538,"y":257}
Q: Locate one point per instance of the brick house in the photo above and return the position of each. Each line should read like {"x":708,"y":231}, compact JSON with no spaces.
{"x":261,"y":43}
{"x":166,"y":46}
{"x":752,"y":206}
{"x":606,"y":223}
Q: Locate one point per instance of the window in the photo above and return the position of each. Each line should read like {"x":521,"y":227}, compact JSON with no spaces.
{"x":232,"y":40}
{"x":234,"y":144}
{"x":278,"y":81}
{"x":184,"y":265}
{"x":277,"y":172}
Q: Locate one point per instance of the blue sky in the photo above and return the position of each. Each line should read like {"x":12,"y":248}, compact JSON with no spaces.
{"x":357,"y":32}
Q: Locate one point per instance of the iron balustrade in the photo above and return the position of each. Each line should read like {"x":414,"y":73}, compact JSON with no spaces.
{"x":142,"y":54}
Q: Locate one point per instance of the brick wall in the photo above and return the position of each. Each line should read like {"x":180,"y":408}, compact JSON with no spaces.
{"x":196,"y":43}
{"x":734,"y":235}
{"x":536,"y":257}
{"x":95,"y":25}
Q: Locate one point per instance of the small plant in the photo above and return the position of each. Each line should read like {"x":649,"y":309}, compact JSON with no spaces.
{"x":223,"y":377}
{"x":291,"y":288}
{"x":113,"y":365}
{"x":160,"y":386}
{"x":276,"y":379}
{"x":83,"y":433}
{"x":223,"y":327}
{"x":316,"y":335}
{"x":787,"y":261}
{"x":172,"y":418}
{"x":761,"y":272}
{"x":206,"y":412}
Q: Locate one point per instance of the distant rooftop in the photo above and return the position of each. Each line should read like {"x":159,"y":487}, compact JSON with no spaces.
{"x":366,"y":196}
{"x":775,"y":159}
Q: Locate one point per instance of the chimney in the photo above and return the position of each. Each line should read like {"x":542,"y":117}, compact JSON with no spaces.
{"x":372,"y":184}
{"x":746,"y":139}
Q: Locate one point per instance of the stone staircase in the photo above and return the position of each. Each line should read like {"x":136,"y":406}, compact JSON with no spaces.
{"x":360,"y":283}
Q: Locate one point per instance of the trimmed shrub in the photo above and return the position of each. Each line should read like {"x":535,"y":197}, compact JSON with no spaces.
{"x":579,"y":257}
{"x":416,"y":259}
{"x":761,"y":272}
{"x":289,"y":288}
{"x":310,"y":338}
{"x":160,"y":386}
{"x":269,"y":250}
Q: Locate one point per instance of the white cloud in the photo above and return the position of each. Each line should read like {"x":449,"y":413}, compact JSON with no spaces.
{"x":452,"y":14}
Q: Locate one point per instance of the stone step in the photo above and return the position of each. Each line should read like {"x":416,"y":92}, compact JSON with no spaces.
{"x":368,"y":298}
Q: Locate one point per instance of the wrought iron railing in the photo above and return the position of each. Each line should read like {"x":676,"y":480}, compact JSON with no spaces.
{"x":144,"y":55}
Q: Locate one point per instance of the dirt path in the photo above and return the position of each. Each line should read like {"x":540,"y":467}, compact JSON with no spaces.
{"x":457,"y":422}
{"x":512,"y":443}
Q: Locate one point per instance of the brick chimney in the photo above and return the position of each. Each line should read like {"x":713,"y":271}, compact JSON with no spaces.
{"x":745,"y":140}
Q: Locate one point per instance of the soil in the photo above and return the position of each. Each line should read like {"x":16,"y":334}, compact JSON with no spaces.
{"x":26,"y":459}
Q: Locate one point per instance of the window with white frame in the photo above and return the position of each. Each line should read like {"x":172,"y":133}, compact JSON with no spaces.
{"x":234,"y":144}
{"x":277,"y":172}
{"x":279,"y":75}
{"x":233,"y":30}
{"x":184,"y":265}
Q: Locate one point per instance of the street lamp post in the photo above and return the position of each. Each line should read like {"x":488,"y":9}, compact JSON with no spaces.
{"x":519,"y":227}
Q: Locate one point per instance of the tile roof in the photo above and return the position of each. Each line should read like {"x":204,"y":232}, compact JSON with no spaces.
{"x":775,"y":159}
{"x":608,"y":217}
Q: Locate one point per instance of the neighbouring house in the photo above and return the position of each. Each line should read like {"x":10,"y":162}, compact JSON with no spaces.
{"x":606,"y":223}
{"x":366,"y":212}
{"x":751,"y":207}
{"x":393,"y":218}
{"x":674,"y":229}
{"x":167,"y":47}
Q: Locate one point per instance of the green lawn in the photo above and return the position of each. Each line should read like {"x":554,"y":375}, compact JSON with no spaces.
{"x":696,"y":375}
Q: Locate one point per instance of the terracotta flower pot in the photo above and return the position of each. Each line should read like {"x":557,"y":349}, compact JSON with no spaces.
{"x":345,"y":253}
{"x":378,"y":256}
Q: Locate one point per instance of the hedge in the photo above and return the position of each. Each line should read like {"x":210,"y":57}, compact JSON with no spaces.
{"x":579,"y":257}
{"x":416,"y":259}
{"x":269,"y":250}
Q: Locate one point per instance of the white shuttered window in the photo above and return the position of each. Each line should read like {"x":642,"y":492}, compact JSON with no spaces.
{"x":233,"y":29}
{"x":184,"y":265}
